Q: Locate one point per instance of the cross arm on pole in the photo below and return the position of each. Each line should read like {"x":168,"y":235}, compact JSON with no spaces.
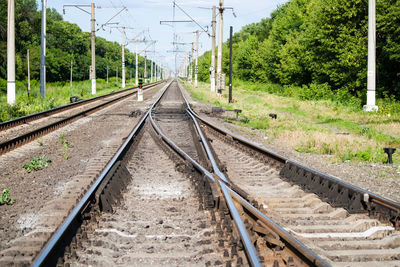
{"x":175,"y":4}
{"x":78,"y":7}
{"x":111,"y":18}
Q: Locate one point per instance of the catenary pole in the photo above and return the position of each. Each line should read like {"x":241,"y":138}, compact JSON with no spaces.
{"x":43,"y":52}
{"x":11,"y":53}
{"x":123,"y":57}
{"x":197,"y":58}
{"x":136,"y":69}
{"x":191,"y":64}
{"x":220,"y":27}
{"x":70,"y":75}
{"x":145,"y":66}
{"x":212,"y":78}
{"x":151,"y":71}
{"x":93,"y":69}
{"x":230,"y":64}
{"x":371,"y":82}
{"x":29,"y":72}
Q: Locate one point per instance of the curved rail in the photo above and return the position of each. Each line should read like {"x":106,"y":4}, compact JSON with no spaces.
{"x":250,"y":250}
{"x":226,"y":188}
{"x":51,"y":251}
{"x":337,"y":192}
{"x":54,"y":247}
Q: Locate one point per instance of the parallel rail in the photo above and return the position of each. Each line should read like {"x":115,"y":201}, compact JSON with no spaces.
{"x":229,"y":197}
{"x":32,"y":135}
{"x":32,"y":117}
{"x":332,"y":190}
{"x":62,"y":237}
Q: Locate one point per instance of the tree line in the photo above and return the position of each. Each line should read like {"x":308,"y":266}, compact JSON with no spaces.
{"x":319,"y":44}
{"x":65,"y":42}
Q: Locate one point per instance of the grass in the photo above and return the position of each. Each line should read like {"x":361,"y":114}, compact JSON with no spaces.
{"x":57,"y":94}
{"x":340,"y":130}
{"x":37,"y":163}
{"x":65,"y":145}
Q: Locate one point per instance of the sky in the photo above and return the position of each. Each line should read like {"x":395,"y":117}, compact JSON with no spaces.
{"x":146,"y":15}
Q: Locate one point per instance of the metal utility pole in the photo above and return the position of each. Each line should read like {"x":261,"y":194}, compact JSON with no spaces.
{"x":116,"y":74}
{"x":29,"y":72}
{"x":93,"y":74}
{"x":93,"y":36}
{"x":151,"y":71}
{"x":11,"y":53}
{"x":220,"y":27}
{"x":197,"y":58}
{"x":191,"y":65}
{"x":230,"y":64}
{"x":107,"y":72}
{"x":136,"y":69}
{"x":145,"y":66}
{"x":43,"y":52}
{"x":212,"y":68}
{"x":70,"y":76}
{"x":371,"y":84}
{"x":123,"y":57}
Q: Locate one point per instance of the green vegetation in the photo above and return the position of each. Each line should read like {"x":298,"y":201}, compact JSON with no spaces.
{"x":58,"y":93}
{"x":317,"y":49}
{"x":324,"y":126}
{"x":5,"y":197}
{"x":37,"y":163}
{"x":65,"y":145}
{"x":65,"y":42}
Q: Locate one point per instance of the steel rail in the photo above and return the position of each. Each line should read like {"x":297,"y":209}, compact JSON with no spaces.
{"x":49,"y":254}
{"x":235,"y":214}
{"x":11,"y":144}
{"x":371,"y":197}
{"x":226,"y":186}
{"x":301,"y":248}
{"x":287,"y":237}
{"x":32,"y":117}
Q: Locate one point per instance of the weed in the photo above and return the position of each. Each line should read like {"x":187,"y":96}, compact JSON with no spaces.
{"x":65,"y":145}
{"x":307,"y":147}
{"x":40,"y":142}
{"x":37,"y":163}
{"x":5,"y":197}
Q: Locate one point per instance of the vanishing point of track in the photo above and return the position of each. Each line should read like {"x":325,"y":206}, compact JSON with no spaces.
{"x":181,"y":191}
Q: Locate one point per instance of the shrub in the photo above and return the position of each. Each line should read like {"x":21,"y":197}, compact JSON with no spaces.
{"x":3,"y":85}
{"x":316,"y":92}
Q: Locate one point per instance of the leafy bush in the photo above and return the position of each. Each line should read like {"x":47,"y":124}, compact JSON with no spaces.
{"x":315,"y":92}
{"x":37,"y":163}
{"x":5,"y":197}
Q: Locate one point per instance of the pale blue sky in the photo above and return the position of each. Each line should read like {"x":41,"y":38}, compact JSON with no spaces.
{"x":147,"y":15}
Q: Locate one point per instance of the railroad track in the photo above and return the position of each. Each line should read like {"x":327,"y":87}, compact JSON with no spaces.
{"x":15,"y":133}
{"x":241,"y":208}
